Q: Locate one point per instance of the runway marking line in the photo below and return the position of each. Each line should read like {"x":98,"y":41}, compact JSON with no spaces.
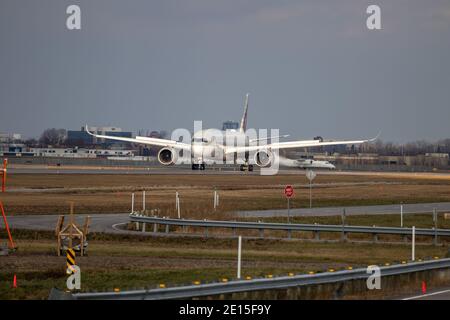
{"x":427,"y":295}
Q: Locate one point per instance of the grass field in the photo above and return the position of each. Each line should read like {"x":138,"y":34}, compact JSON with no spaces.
{"x":131,"y":262}
{"x":50,"y":193}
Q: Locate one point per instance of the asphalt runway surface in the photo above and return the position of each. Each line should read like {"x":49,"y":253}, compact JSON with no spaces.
{"x":183,"y":170}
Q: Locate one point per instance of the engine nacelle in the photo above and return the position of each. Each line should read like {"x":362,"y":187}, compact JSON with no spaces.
{"x":264,"y":158}
{"x":167,"y":156}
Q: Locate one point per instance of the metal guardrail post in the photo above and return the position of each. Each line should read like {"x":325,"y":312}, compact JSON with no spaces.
{"x":155,"y":227}
{"x":317,"y":235}
{"x":435,"y":220}
{"x":314,"y":228}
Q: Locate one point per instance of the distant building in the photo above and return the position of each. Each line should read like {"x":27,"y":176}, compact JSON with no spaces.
{"x":79,"y":152}
{"x":10,"y":137}
{"x":230,"y":125}
{"x":82,"y":138}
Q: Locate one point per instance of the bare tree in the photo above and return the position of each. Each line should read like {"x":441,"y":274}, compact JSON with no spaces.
{"x":53,"y":137}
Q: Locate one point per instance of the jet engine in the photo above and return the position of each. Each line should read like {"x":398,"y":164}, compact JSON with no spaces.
{"x":264,"y":158}
{"x":167,"y":156}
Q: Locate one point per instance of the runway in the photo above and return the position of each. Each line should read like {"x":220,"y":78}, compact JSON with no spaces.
{"x":211,"y":170}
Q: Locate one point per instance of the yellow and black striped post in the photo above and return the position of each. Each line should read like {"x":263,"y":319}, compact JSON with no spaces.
{"x":70,"y":260}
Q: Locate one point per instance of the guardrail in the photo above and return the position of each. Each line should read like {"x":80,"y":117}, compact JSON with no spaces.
{"x":289,"y":227}
{"x":211,"y":289}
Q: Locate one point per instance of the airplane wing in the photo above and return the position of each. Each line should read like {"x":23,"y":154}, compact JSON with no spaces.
{"x":145,"y":140}
{"x":294,"y":144}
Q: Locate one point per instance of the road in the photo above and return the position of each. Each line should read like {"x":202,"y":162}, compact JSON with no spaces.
{"x":438,"y":294}
{"x":99,"y":222}
{"x":364,"y":210}
{"x":105,"y":222}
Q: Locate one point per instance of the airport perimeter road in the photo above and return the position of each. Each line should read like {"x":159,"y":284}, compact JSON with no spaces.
{"x":99,"y":222}
{"x":357,"y":210}
{"x":106,"y":222}
{"x":439,"y":294}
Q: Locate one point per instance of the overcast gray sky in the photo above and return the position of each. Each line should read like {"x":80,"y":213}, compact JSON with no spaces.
{"x":311,"y":67}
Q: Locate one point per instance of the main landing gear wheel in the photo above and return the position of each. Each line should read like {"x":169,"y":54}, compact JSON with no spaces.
{"x":198,"y":166}
{"x":246,"y":167}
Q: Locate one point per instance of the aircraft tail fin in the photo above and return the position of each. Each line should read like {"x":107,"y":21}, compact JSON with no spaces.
{"x":243,"y":125}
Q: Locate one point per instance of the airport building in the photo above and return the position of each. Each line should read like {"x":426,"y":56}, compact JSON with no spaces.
{"x":10,"y":137}
{"x":82,"y":138}
{"x":20,"y":150}
{"x":230,"y":125}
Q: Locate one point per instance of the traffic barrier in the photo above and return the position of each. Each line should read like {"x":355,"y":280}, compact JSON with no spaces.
{"x":289,"y":227}
{"x":274,"y":283}
{"x":70,"y":261}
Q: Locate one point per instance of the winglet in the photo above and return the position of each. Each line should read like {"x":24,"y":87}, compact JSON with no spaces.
{"x":376,"y":137}
{"x":87,"y":130}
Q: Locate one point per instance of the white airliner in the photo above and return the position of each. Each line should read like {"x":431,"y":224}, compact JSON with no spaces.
{"x":306,"y":163}
{"x":207,"y":145}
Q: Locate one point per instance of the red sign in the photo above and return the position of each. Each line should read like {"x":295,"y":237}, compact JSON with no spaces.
{"x":289,"y":191}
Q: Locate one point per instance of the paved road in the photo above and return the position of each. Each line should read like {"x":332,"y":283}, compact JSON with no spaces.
{"x":105,"y":222}
{"x":334,"y":211}
{"x":99,"y":222}
{"x":439,"y":294}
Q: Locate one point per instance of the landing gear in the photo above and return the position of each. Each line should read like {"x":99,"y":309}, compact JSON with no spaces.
{"x":201,"y":166}
{"x":246,"y":167}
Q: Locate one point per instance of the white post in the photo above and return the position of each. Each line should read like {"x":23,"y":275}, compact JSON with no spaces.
{"x":239,"y":257}
{"x":143,"y":201}
{"x":178,"y":206}
{"x":289,"y":209}
{"x":176,"y":200}
{"x":310,"y":194}
{"x":215,"y":199}
{"x":401,"y":216}
{"x":132,"y":203}
{"x":413,"y":253}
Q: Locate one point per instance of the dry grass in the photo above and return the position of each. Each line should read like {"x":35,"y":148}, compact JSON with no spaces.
{"x":146,"y":263}
{"x":29,"y":193}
